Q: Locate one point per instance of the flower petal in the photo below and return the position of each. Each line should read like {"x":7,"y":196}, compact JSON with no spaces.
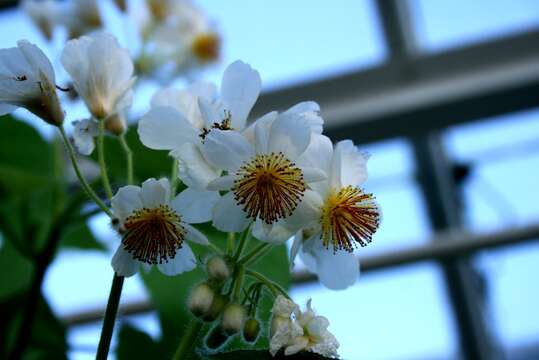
{"x":226,"y":149}
{"x":307,"y":213}
{"x":349,"y":165}
{"x":239,"y":90}
{"x":193,"y":169}
{"x":312,"y":174}
{"x":222,"y":183}
{"x":194,"y":205}
{"x":84,"y":132}
{"x":37,"y":59}
{"x":290,"y":135}
{"x":264,"y":122}
{"x":183,"y":261}
{"x":310,"y":111}
{"x":155,"y":192}
{"x":195,"y":236}
{"x":228,"y":216}
{"x":165,"y":128}
{"x":126,"y":200}
{"x":209,"y":112}
{"x":276,"y":233}
{"x":338,"y":270}
{"x":123,"y":263}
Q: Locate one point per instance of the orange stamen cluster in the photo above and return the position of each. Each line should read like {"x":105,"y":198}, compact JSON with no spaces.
{"x":349,"y":217}
{"x":269,"y":187}
{"x":153,"y":235}
{"x":206,"y":47}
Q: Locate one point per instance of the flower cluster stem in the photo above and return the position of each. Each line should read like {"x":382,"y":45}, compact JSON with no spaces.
{"x":101,"y":158}
{"x":188,"y":340}
{"x":128,"y":158}
{"x":274,"y":287}
{"x":89,"y":191}
{"x":110,"y":317}
{"x":174,"y":178}
{"x":254,"y":254}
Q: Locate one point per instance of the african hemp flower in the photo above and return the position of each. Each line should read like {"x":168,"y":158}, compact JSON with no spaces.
{"x":335,"y":215}
{"x":102,"y":73}
{"x":154,"y":228}
{"x":27,"y":80}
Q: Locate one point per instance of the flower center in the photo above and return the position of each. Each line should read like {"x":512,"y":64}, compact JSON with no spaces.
{"x":349,"y":217}
{"x":269,"y":186}
{"x":206,"y":47}
{"x":153,"y":235}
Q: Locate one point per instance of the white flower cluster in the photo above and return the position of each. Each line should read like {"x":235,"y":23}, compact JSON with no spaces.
{"x":175,"y":36}
{"x":279,"y":172}
{"x":294,"y":330}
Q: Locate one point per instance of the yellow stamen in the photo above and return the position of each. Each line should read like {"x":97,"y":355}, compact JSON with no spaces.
{"x":153,"y":235}
{"x":349,"y":217}
{"x":270,"y":187}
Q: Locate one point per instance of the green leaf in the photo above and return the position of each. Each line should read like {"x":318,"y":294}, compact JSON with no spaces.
{"x":136,"y":344}
{"x":16,"y":271}
{"x":147,"y":162}
{"x":79,"y":236}
{"x":47,"y":339}
{"x":25,"y":157}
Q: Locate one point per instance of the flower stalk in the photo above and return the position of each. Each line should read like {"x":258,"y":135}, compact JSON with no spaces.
{"x":110,"y":317}
{"x":86,"y":187}
{"x":128,"y":158}
{"x":101,"y":159}
{"x":188,"y":340}
{"x":273,"y":286}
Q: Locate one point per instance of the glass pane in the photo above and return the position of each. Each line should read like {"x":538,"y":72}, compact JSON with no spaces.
{"x":394,"y":314}
{"x":292,"y":41}
{"x":503,"y":154}
{"x":513,"y":290}
{"x":442,"y":24}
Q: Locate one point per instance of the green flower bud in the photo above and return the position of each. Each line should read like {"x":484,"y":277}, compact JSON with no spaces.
{"x":251,"y":329}
{"x":217,"y":269}
{"x":217,"y":306}
{"x":201,"y":299}
{"x":233,"y":318}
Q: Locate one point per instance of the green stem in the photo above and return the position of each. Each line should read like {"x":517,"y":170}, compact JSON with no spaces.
{"x":274,"y":287}
{"x":87,"y":189}
{"x":243,"y":242}
{"x":110,"y":317}
{"x":215,"y":249}
{"x":101,"y":158}
{"x":252,"y":255}
{"x":188,"y":340}
{"x":128,"y":157}
{"x":230,"y":242}
{"x":174,"y":178}
{"x":238,"y":282}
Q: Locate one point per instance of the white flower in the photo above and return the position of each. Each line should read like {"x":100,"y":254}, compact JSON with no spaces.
{"x":335,"y":215}
{"x":176,"y":122}
{"x":155,"y":228}
{"x":297,"y":331}
{"x":27,"y":80}
{"x":43,"y":13}
{"x":84,"y":132}
{"x":102,"y":73}
{"x":263,"y":181}
{"x":81,"y":17}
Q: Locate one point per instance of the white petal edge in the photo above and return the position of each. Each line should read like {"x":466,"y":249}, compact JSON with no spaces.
{"x":155,"y":192}
{"x":229,"y":217}
{"x":123,"y":263}
{"x":194,"y":206}
{"x":227,"y":150}
{"x":222,"y":183}
{"x":126,"y":200}
{"x":183,"y":261}
{"x":195,"y":235}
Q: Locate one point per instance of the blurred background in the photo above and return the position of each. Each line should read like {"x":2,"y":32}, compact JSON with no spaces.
{"x":444,"y":94}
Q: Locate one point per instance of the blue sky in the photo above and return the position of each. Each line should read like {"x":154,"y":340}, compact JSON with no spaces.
{"x":400,"y":313}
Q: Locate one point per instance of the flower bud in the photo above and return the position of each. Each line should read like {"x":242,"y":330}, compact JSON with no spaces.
{"x":251,"y":329}
{"x":217,"y":269}
{"x":201,"y":299}
{"x":233,"y":318}
{"x":218,"y":304}
{"x":216,"y":338}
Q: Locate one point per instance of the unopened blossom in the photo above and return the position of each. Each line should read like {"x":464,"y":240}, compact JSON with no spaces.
{"x":180,"y":120}
{"x":102,"y":73}
{"x":84,"y":132}
{"x":27,"y":80}
{"x":155,"y":228}
{"x":262,"y":179}
{"x":44,"y":14}
{"x":295,"y":331}
{"x":336,"y":215}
